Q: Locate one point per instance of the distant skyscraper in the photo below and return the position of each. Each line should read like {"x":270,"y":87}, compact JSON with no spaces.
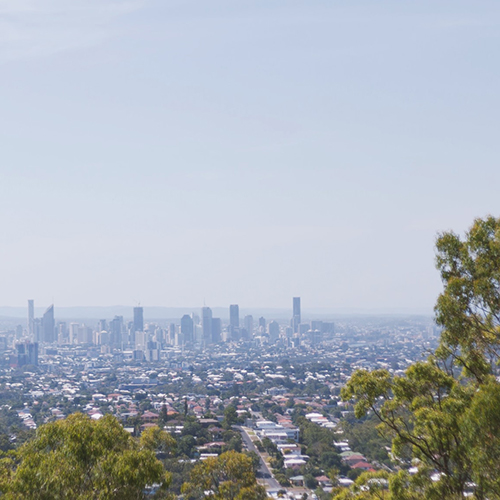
{"x":138,"y":319}
{"x":234,"y":315}
{"x":62,"y":336}
{"x":38,"y":330}
{"x":274,"y":331}
{"x":187,"y":329}
{"x":216,"y":330}
{"x":26,"y":354}
{"x":296,"y":314}
{"x":171,"y":333}
{"x":73,"y":333}
{"x":48,"y":325}
{"x":85,"y":334}
{"x":248,"y":322}
{"x":206,"y":325}
{"x":31,"y":320}
{"x":115,"y":330}
{"x":262,"y":323}
{"x":141,"y":339}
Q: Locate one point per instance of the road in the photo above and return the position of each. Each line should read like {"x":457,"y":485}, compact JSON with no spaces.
{"x":264,"y":471}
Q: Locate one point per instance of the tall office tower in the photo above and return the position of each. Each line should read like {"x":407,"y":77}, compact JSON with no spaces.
{"x":102,"y":325}
{"x":248,"y":322}
{"x":187,"y":329}
{"x":274,"y":331}
{"x":296,"y":314}
{"x":27,"y":353}
{"x":178,"y":342}
{"x":37,"y":330}
{"x":138,"y":319}
{"x":31,"y":320}
{"x":234,"y":315}
{"x":19,"y":331}
{"x":62,"y":337}
{"x":73,"y":333}
{"x":48,"y":325}
{"x":206,"y":325}
{"x":85,"y":334}
{"x":171,"y":334}
{"x":141,"y":339}
{"x":216,"y":330}
{"x":160,"y":336}
{"x":262,"y":323}
{"x":115,"y":330}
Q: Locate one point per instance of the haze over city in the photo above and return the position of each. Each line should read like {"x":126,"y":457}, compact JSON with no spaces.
{"x":180,"y":153}
{"x":249,"y":250}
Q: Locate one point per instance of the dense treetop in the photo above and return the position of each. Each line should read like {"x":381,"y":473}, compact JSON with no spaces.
{"x":442,"y":414}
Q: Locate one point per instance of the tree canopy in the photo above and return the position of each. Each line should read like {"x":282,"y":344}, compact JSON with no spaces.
{"x":79,"y":458}
{"x":442,"y":414}
{"x":227,"y":477}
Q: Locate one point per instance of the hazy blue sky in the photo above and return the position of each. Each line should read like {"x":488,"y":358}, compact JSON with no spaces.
{"x":171,"y":152}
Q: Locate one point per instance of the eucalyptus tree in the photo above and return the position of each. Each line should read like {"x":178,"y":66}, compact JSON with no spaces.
{"x":444,"y":413}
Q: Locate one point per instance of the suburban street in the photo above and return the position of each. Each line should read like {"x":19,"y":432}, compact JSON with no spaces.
{"x":264,"y":471}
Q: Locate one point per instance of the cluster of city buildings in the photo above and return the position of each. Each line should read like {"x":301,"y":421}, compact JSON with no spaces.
{"x":145,"y":341}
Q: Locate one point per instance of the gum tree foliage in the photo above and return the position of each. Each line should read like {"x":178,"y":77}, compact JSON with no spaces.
{"x":368,"y":486}
{"x":158,"y":440}
{"x":444,"y":413}
{"x":227,"y":477}
{"x":230,"y":417}
{"x":78,"y":458}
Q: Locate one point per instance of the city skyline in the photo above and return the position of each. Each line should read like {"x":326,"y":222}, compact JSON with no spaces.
{"x":147,"y":340}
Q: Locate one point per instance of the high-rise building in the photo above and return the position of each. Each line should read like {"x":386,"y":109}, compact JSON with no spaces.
{"x":296,"y":306}
{"x":85,"y":334}
{"x":115,"y":331}
{"x":62,"y":336}
{"x":138,"y":319}
{"x":172,"y":330}
{"x":216,"y":330}
{"x":206,"y":325}
{"x":73,"y":333}
{"x":248,"y":322}
{"x":187,"y":329}
{"x":37,"y":334}
{"x":234,"y":315}
{"x":48,"y":325}
{"x":262,"y":323}
{"x":274,"y":331}
{"x":31,"y":320}
{"x":296,"y":314}
{"x":26,"y":354}
{"x":141,"y":339}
